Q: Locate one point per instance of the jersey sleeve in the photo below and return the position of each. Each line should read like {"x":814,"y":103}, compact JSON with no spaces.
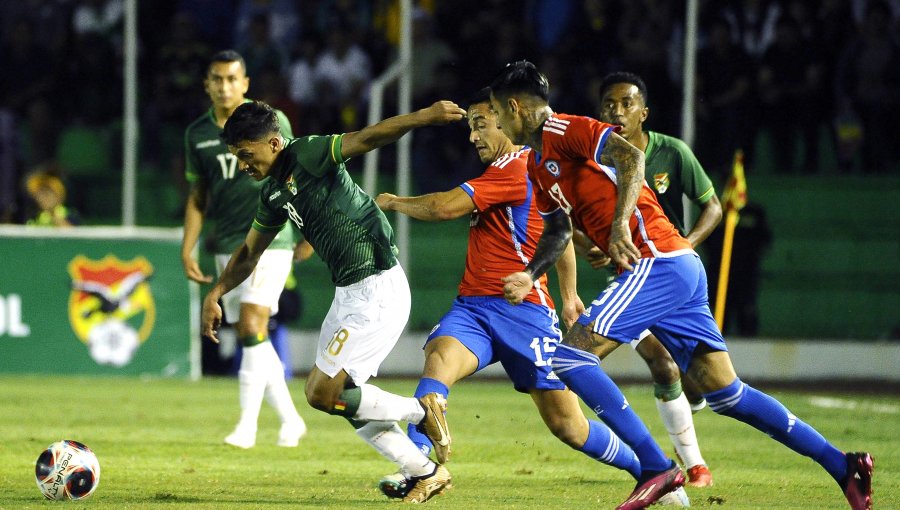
{"x":694,"y":181}
{"x":498,"y":186}
{"x":268,"y":219}
{"x":284,"y":124}
{"x":191,"y":163}
{"x":584,"y":138}
{"x":319,"y":155}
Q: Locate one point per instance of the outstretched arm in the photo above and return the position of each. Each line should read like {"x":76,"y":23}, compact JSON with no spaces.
{"x":554,"y":241}
{"x":442,"y":206}
{"x":241,"y":265}
{"x":629,"y":163}
{"x":391,"y":129}
{"x":709,"y":219}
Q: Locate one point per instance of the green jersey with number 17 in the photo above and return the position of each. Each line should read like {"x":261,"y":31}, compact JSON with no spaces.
{"x":233,"y":195}
{"x":309,"y":185}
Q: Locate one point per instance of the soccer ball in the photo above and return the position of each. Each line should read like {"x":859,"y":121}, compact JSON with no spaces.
{"x":67,"y":469}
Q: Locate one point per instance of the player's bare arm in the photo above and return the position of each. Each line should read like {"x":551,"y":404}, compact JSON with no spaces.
{"x":442,"y":206}
{"x":629,"y":163}
{"x":553,"y":242}
{"x":390,"y":130}
{"x":709,"y":219}
{"x":566,"y":273}
{"x":193,"y":224}
{"x":241,"y":265}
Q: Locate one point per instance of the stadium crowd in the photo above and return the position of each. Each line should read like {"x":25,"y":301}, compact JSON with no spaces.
{"x":793,"y":72}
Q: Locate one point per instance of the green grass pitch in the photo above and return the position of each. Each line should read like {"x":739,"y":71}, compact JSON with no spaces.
{"x":160,"y":447}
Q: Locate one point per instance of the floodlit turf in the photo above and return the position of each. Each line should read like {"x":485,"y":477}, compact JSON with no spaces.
{"x":160,"y":446}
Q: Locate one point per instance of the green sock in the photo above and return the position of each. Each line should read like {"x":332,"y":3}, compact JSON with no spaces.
{"x":348,"y":403}
{"x":251,"y":340}
{"x":667,"y":392}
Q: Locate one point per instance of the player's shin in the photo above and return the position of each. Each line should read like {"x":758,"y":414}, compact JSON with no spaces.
{"x":390,"y":441}
{"x":751,"y":406}
{"x":581,"y":372}
{"x":675,"y":411}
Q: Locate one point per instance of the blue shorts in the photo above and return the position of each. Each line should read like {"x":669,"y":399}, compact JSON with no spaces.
{"x":522,"y":338}
{"x":668,"y":296}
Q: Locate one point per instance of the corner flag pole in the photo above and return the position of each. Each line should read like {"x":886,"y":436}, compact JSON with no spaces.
{"x":735,"y":197}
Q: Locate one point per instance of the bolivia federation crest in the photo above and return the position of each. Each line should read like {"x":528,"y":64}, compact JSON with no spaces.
{"x":661,"y":182}
{"x":111,"y":307}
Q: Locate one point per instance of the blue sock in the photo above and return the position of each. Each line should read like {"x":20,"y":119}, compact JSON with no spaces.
{"x":581,"y":372}
{"x":604,"y":446}
{"x":426,"y":386}
{"x":755,"y":408}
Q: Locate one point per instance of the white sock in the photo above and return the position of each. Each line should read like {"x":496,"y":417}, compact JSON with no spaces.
{"x":252,"y":379}
{"x":676,"y":416}
{"x":376,"y":404}
{"x":387,"y":438}
{"x":277,"y":394}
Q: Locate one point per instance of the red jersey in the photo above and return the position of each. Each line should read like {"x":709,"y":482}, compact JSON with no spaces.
{"x":503,"y":230}
{"x":568,"y":176}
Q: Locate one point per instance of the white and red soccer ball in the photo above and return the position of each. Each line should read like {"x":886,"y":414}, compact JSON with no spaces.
{"x":67,"y":470}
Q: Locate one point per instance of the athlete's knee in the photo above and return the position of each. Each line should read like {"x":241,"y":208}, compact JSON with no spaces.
{"x":724,"y":400}
{"x":663,"y":370}
{"x":570,"y":430}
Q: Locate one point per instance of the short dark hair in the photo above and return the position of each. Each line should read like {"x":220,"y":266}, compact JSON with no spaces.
{"x":482,"y":96}
{"x":251,"y":121}
{"x":521,"y":77}
{"x":226,"y":56}
{"x":624,"y":77}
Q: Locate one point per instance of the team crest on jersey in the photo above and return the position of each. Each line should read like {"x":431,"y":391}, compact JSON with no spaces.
{"x":111,"y":306}
{"x":291,"y":185}
{"x":552,"y":167}
{"x":661,"y":182}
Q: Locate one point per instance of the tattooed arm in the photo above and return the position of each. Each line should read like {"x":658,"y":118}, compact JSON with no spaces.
{"x":553,"y":242}
{"x":629,"y":163}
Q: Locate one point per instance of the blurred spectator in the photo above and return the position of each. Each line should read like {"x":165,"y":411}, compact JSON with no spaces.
{"x":40,"y":134}
{"x":429,"y":52}
{"x":101,"y":18}
{"x":868,"y":80}
{"x":789,"y":85}
{"x":723,"y":94}
{"x":9,"y":166}
{"x":260,"y":51}
{"x":342,"y":75}
{"x":644,"y":32}
{"x":92,"y":74}
{"x":49,"y":196}
{"x":175,"y":100}
{"x":301,"y":77}
{"x":24,"y":80}
{"x":752,"y":23}
{"x":269,"y":86}
{"x":214,"y":20}
{"x":49,"y":20}
{"x":281,"y":15}
{"x":549,"y":21}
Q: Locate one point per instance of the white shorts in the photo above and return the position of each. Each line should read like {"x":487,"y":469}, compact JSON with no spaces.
{"x":262,"y":287}
{"x":363,"y":325}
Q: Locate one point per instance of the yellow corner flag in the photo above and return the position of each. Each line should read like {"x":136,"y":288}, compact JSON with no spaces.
{"x":735,"y":198}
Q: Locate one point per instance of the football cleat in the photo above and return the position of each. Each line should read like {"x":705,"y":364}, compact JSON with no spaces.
{"x":652,"y":489}
{"x":241,"y":438}
{"x":290,"y":433}
{"x":678,"y":497}
{"x":395,"y":486}
{"x":858,"y":484}
{"x":423,"y":488}
{"x":699,"y":476}
{"x":434,"y":425}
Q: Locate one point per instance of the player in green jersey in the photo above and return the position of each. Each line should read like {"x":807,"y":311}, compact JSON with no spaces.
{"x":307,"y":185}
{"x":671,"y":170}
{"x":229,"y":197}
